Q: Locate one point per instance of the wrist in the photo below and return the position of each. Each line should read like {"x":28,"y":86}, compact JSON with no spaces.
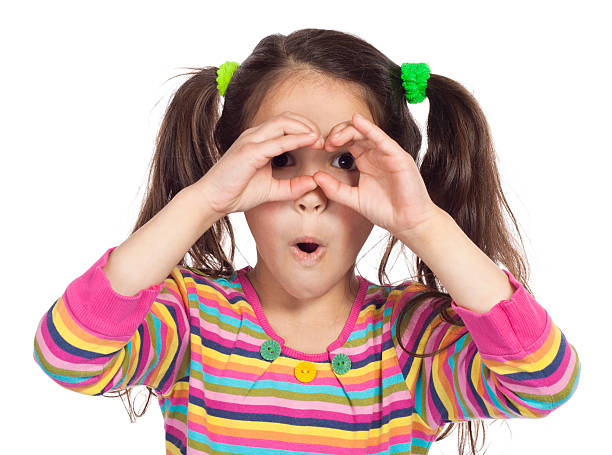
{"x":196,"y":196}
{"x":425,"y":230}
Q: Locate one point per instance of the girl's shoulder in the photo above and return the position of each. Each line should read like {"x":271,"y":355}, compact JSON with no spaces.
{"x":407,"y":296}
{"x":186,"y":277}
{"x":392,"y":296}
{"x":401,"y":290}
{"x":410,"y":286}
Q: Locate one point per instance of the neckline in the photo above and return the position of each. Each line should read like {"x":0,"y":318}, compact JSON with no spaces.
{"x":347,"y":329}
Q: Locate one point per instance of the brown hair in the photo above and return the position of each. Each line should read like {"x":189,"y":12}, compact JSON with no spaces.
{"x":459,"y":168}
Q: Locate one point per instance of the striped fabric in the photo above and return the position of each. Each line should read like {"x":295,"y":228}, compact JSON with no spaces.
{"x":197,"y":342}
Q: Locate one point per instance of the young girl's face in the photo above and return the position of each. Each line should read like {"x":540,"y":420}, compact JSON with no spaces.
{"x":275,"y":225}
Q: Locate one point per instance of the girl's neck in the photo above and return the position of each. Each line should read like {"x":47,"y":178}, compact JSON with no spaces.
{"x":333,"y":307}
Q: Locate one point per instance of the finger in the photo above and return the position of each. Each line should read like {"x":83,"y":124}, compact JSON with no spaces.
{"x":260,"y":153}
{"x":372,"y":132}
{"x":289,"y":190}
{"x":340,"y":126}
{"x":342,"y":137}
{"x":358,"y":148}
{"x":276,"y":127}
{"x":337,"y":191}
{"x":313,"y":126}
{"x":282,"y":124}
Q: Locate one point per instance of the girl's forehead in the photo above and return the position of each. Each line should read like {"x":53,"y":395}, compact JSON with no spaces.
{"x":322,"y":100}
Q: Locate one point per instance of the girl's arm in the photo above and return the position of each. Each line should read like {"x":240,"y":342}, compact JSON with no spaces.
{"x":472,"y":279}
{"x":94,"y":338}
{"x":149,"y":254}
{"x":510,"y":360}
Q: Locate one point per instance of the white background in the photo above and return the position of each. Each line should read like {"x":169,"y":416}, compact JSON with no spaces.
{"x":83,"y":90}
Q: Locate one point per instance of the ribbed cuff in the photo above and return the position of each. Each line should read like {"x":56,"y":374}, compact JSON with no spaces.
{"x":512,"y":328}
{"x":95,"y":306}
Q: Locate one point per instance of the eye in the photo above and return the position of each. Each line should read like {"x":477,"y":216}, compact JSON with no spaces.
{"x":280,"y":160}
{"x":345,"y":159}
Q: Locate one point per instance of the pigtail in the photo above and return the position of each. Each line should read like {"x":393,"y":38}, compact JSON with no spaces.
{"x":186,"y":148}
{"x":460,"y":172}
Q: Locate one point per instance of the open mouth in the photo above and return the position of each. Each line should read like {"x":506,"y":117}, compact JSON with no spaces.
{"x":308,"y":247}
{"x":308,"y":253}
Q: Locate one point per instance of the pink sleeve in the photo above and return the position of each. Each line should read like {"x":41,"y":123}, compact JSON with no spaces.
{"x":512,"y":361}
{"x":93,"y":340}
{"x":93,"y":303}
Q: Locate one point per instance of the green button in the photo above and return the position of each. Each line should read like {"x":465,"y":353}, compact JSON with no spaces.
{"x":341,"y":363}
{"x":270,"y":349}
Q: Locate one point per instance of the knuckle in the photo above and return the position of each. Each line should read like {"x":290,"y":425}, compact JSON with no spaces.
{"x":248,"y":148}
{"x":246,"y":133}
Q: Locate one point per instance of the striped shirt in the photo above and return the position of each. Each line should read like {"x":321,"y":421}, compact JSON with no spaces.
{"x":199,"y":343}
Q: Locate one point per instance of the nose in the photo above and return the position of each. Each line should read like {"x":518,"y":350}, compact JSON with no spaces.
{"x":312,"y":201}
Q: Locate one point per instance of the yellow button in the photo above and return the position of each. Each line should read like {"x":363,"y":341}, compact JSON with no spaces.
{"x":305,"y":371}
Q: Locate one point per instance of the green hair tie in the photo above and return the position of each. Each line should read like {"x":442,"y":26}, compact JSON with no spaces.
{"x":224,"y":75}
{"x":415,"y":77}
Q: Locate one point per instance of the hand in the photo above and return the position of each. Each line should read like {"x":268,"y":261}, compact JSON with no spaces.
{"x":391,"y":192}
{"x":242,"y":178}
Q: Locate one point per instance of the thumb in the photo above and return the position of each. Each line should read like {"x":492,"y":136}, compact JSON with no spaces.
{"x":337,"y":191}
{"x":289,"y":190}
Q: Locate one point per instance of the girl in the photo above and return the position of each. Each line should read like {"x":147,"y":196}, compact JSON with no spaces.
{"x":315,"y":144}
